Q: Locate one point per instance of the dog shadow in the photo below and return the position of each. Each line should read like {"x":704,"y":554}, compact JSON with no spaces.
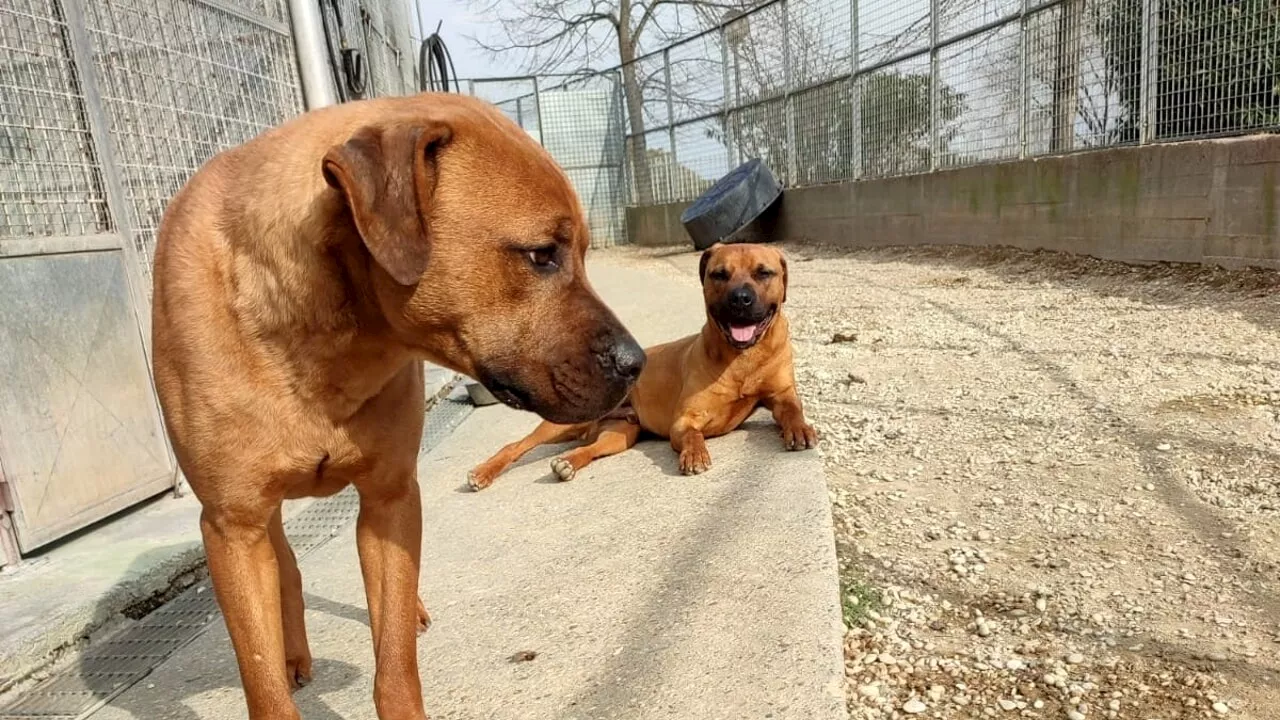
{"x":182,"y":682}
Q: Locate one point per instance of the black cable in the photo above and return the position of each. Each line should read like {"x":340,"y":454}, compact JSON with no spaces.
{"x":348,"y":73}
{"x":435,"y":65}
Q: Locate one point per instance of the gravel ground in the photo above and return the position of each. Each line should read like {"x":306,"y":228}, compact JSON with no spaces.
{"x":1054,"y":480}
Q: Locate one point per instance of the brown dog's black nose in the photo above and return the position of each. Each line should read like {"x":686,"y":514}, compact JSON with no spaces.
{"x":742,"y":296}
{"x":626,"y":359}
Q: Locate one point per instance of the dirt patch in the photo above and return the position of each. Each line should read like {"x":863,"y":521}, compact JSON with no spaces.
{"x":1055,"y":480}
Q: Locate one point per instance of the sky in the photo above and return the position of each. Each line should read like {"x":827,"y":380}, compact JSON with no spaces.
{"x":470,"y":60}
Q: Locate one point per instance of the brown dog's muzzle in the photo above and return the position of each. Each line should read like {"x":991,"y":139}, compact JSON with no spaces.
{"x":580,"y":379}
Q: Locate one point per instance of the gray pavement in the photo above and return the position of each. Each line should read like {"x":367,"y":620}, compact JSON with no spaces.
{"x":643,"y":593}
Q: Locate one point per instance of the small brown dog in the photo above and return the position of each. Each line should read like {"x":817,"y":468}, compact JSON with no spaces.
{"x":300,"y":281}
{"x":700,"y":386}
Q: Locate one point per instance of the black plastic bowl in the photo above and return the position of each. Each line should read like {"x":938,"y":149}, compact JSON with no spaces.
{"x":736,"y":201}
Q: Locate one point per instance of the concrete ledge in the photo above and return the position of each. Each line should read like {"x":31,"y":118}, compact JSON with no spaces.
{"x":1212,"y":201}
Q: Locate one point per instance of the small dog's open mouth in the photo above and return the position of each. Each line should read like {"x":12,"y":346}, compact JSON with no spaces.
{"x":743,"y":335}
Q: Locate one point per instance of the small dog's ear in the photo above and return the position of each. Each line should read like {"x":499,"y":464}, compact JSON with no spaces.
{"x":702,"y":264}
{"x":782,"y":260}
{"x":388,"y":177}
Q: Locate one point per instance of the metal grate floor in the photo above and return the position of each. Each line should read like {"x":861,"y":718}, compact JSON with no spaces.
{"x":106,"y":669}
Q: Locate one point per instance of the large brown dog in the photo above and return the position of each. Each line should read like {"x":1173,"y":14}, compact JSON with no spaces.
{"x":300,"y":280}
{"x":700,"y":386}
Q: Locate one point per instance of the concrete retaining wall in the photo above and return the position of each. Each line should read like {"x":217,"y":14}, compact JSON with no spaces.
{"x":1212,"y":201}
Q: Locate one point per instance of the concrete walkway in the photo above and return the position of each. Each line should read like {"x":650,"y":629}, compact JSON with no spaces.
{"x":643,"y":593}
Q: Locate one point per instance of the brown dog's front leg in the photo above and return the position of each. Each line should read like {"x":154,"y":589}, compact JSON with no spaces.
{"x":389,"y":538}
{"x":297,"y":652}
{"x":242,"y":563}
{"x":789,"y":414}
{"x":688,"y":441}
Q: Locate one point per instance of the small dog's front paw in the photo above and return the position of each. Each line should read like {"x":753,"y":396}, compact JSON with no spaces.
{"x":799,"y":436}
{"x":564,"y":470}
{"x":424,"y":617}
{"x":478,"y":481}
{"x":695,"y":460}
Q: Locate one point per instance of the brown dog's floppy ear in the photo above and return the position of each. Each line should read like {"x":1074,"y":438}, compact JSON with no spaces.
{"x":388,"y":175}
{"x":702,"y":264}
{"x":782,"y":259}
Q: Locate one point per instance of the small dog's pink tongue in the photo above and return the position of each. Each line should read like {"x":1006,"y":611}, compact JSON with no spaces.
{"x":742,"y":334}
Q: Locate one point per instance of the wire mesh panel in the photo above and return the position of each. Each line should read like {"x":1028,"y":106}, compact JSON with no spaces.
{"x":181,"y":81}
{"x":1219,"y":67}
{"x":48,"y":177}
{"x":582,"y":130}
{"x":517,"y":98}
{"x":976,"y":90}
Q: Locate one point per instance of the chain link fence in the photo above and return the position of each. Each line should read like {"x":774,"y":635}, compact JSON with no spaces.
{"x":581,"y":122}
{"x":833,"y":90}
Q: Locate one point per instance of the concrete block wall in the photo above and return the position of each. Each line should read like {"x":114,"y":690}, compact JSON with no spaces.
{"x":1211,"y":201}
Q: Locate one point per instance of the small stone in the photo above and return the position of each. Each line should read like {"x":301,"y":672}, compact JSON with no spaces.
{"x":1075,"y":659}
{"x":1075,"y":715}
{"x":1221,"y":708}
{"x":984,"y":536}
{"x":914,"y":707}
{"x":1217,"y":657}
{"x":869,"y":691}
{"x":1008,"y":705}
{"x":1164,"y":447}
{"x":1149,"y":487}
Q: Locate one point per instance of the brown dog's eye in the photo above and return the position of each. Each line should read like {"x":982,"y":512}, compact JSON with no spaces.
{"x":720,"y":275}
{"x":764,"y":273}
{"x":543,"y":258}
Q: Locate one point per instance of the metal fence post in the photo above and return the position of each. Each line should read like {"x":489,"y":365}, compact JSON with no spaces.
{"x":1024,"y":82}
{"x":672,"y":172}
{"x":537,"y":109}
{"x":724,"y":83}
{"x":104,"y":151}
{"x":789,"y":109}
{"x":935,"y":89}
{"x":313,"y":56}
{"x":1149,"y":70}
{"x":855,"y":94}
{"x":86,"y":74}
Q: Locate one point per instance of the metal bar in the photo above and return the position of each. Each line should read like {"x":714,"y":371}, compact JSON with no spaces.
{"x":788,"y":103}
{"x":520,"y":112}
{"x":1024,"y":81}
{"x":313,"y":55}
{"x":60,"y":245}
{"x":537,"y":108}
{"x":724,"y":99}
{"x":246,"y":15}
{"x":671,"y":127}
{"x":112,"y":175}
{"x":855,"y":93}
{"x":934,"y":87}
{"x":108,"y":160}
{"x":1149,"y":70}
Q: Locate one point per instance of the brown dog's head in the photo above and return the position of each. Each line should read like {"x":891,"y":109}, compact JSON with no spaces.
{"x":474,"y":244}
{"x":743,"y":286}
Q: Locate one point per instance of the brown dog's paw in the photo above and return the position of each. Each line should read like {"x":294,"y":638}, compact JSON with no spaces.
{"x":298,"y":671}
{"x":800,"y":436}
{"x":695,"y":460}
{"x":478,"y":481}
{"x":424,"y":618}
{"x":564,"y":470}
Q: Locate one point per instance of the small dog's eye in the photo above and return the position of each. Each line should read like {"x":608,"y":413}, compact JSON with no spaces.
{"x":543,"y":258}
{"x":764,"y":273}
{"x":720,"y":275}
